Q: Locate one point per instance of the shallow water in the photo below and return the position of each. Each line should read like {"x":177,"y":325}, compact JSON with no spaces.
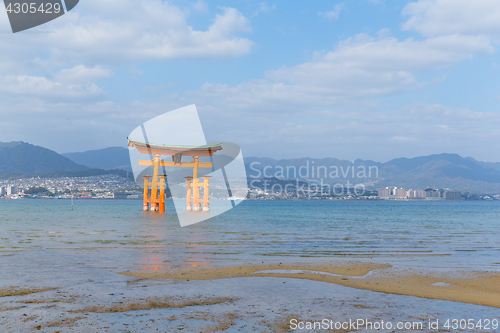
{"x":448,"y":235}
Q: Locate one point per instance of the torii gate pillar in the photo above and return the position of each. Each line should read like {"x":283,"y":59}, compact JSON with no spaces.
{"x":157,"y":182}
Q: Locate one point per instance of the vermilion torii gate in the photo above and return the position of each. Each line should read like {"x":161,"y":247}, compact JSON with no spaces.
{"x":157,"y":182}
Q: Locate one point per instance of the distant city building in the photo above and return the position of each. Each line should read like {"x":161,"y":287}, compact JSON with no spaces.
{"x":431,"y":193}
{"x":453,"y":195}
{"x":101,"y":186}
{"x":11,"y":189}
{"x":400,"y":193}
{"x":428,"y":194}
{"x":384,"y":193}
{"x":416,"y":194}
{"x":128,"y":195}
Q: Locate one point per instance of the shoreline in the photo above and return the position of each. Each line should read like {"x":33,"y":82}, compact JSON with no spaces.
{"x":479,"y":288}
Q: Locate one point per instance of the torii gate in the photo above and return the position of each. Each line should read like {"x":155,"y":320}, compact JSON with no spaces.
{"x":157,"y":181}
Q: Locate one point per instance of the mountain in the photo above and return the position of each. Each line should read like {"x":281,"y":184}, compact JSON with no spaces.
{"x":89,"y":173}
{"x":445,"y":165}
{"x":492,"y":165}
{"x":441,"y":171}
{"x":437,"y":171}
{"x":24,"y":159}
{"x":107,"y":158}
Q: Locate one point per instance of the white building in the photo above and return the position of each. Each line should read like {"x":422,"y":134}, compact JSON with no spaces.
{"x":384,"y":193}
{"x":416,"y":194}
{"x":400,"y":193}
{"x":11,"y":189}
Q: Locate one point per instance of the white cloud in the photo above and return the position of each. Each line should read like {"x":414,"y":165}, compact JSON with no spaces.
{"x":200,"y":6}
{"x":332,"y":14}
{"x":355,"y":132}
{"x":359,"y":68}
{"x":37,"y":86}
{"x":293,"y":110}
{"x":73,"y":83}
{"x":151,"y":30}
{"x":80,"y":73}
{"x":265,"y":123}
{"x":60,"y":123}
{"x":115,"y":31}
{"x":366,"y":53}
{"x":442,"y":17}
{"x":264,"y":8}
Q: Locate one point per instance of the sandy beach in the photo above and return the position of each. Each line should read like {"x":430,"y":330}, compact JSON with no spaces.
{"x":480,"y":288}
{"x":239,"y":299}
{"x":269,"y":297}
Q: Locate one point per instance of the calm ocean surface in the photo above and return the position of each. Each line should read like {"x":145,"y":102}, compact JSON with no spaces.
{"x":118,"y":234}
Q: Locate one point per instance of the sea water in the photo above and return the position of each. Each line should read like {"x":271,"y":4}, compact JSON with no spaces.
{"x":118,"y":235}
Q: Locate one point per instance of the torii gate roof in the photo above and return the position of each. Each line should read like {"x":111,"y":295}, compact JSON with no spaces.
{"x":165,"y":149}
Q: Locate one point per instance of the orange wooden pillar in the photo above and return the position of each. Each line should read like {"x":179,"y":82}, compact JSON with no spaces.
{"x":206,"y":194}
{"x":162,"y":193}
{"x":155,"y":184}
{"x":145,"y":204}
{"x":196,"y":186}
{"x":189,"y":184}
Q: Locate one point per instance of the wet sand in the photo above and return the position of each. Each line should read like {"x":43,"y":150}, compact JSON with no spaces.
{"x":480,"y":288}
{"x":124,"y":304}
{"x":15,"y":291}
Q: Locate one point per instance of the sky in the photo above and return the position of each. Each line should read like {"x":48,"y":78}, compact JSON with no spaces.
{"x":283,"y":79}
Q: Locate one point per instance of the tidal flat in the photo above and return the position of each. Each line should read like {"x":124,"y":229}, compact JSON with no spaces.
{"x":107,"y":266}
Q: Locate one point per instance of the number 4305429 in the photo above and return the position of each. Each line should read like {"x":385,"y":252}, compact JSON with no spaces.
{"x":33,"y":8}
{"x":471,"y":324}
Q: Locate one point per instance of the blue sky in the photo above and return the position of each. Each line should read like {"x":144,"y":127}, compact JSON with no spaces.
{"x":347,"y":79}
